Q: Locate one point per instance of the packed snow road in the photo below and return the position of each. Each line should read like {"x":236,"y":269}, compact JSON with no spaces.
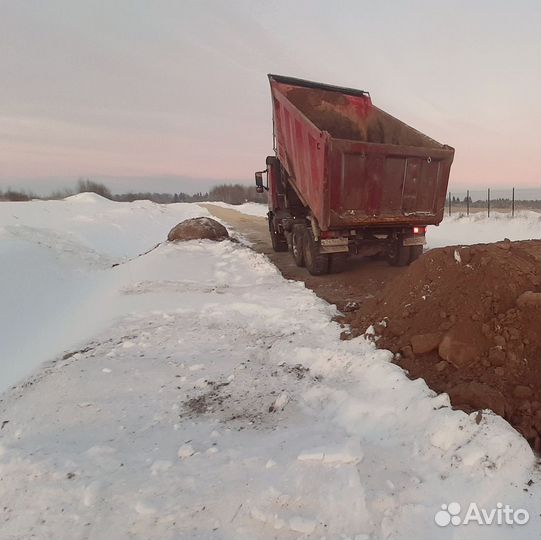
{"x":218,"y":401}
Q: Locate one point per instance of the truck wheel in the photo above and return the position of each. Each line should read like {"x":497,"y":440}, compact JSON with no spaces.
{"x":297,"y":249}
{"x":416,"y":252}
{"x":279,"y":242}
{"x":317,"y":263}
{"x":337,"y":263}
{"x":399,"y":255}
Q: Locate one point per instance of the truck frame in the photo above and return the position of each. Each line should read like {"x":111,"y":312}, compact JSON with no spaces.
{"x":348,"y":178}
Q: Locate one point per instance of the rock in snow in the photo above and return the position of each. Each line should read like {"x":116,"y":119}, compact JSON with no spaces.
{"x":198,"y":228}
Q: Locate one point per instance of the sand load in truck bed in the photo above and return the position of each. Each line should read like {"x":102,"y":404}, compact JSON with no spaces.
{"x":354,"y":118}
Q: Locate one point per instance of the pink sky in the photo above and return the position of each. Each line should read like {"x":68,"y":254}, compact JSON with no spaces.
{"x":179,"y":88}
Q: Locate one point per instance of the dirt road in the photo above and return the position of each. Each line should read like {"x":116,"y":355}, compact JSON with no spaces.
{"x":357,"y":283}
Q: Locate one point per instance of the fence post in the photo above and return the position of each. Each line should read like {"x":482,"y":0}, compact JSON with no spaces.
{"x":513,"y":204}
{"x":488,"y":202}
{"x":468,"y":202}
{"x":449,"y":203}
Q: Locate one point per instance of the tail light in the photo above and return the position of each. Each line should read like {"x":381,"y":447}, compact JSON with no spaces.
{"x":419,"y":230}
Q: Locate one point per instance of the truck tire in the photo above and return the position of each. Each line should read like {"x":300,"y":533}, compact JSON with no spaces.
{"x":297,"y":248}
{"x":337,"y":262}
{"x":279,"y":242}
{"x":316,"y":263}
{"x":399,"y":255}
{"x":416,"y":252}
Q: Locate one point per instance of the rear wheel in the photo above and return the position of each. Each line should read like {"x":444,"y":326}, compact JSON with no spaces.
{"x":337,"y":262}
{"x":278,"y":240}
{"x":400,"y":254}
{"x":416,"y":252}
{"x":297,"y":248}
{"x":317,"y":263}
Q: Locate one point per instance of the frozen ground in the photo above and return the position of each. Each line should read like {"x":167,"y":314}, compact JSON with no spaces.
{"x":219,"y":402}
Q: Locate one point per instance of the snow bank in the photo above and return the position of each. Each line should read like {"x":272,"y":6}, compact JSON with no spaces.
{"x":250,"y":208}
{"x":54,"y":257}
{"x":222,"y":403}
{"x":88,"y":198}
{"x":87,"y":223}
{"x":478,"y":228}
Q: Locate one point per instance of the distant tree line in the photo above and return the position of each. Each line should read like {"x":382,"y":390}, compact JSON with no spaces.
{"x":235,"y":194}
{"x":498,"y":203}
{"x":229,"y":193}
{"x":506,"y":203}
{"x":13,"y":195}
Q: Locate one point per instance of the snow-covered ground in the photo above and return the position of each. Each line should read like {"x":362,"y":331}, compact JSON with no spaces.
{"x":249,"y":208}
{"x":56,"y":283}
{"x":478,"y":228}
{"x":220,"y":402}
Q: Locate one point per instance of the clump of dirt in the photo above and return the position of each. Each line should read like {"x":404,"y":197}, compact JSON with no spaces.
{"x":298,"y":370}
{"x":198,"y":228}
{"x":208,"y":401}
{"x":229,"y":406}
{"x":467,"y":320}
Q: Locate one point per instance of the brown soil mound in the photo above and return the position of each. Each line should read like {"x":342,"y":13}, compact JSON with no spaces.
{"x":468,"y":321}
{"x":197,"y":229}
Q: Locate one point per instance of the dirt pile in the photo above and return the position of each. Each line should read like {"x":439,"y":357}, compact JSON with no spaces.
{"x":468,"y":321}
{"x":198,"y":228}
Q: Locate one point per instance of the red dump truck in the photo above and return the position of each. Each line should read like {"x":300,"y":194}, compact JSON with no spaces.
{"x":348,"y":178}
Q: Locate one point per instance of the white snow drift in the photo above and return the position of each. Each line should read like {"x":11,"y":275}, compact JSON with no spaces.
{"x":56,"y":287}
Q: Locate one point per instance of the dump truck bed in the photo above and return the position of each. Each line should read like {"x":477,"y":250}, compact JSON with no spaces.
{"x":352,"y":163}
